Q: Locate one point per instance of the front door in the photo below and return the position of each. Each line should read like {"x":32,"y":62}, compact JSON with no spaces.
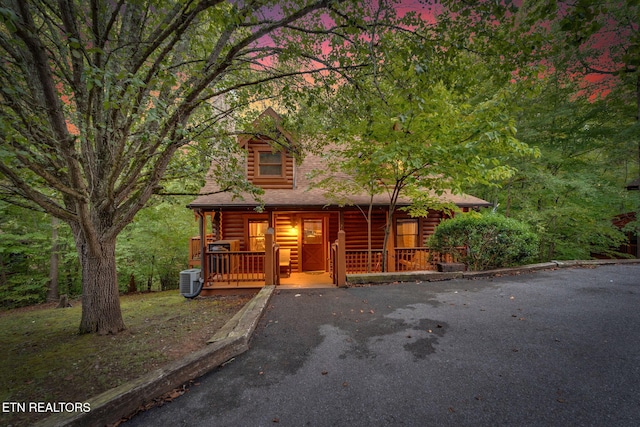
{"x":313,"y":257}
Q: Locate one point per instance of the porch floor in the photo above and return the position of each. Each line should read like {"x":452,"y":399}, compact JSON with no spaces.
{"x":308,"y":280}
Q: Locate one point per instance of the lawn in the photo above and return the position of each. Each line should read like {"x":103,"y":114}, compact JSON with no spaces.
{"x":43,"y":359}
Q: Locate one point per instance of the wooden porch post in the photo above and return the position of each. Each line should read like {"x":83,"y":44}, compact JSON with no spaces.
{"x":269,"y":258}
{"x":201,"y":227}
{"x":342,"y":260}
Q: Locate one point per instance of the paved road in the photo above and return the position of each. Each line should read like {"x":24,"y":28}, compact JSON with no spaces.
{"x":555,"y":347}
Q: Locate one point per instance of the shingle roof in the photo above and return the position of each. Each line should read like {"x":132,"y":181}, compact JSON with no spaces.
{"x":302,"y":196}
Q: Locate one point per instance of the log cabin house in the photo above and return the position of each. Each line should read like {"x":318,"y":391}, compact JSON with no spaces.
{"x":299,"y":229}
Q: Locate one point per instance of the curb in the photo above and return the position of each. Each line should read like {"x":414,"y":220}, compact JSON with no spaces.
{"x":111,"y":406}
{"x":403,"y":276}
{"x":434,"y":276}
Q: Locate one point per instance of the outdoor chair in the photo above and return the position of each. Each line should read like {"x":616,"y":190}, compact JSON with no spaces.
{"x":285,"y":260}
{"x":419,"y":261}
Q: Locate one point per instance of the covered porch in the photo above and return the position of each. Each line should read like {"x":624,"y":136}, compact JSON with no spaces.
{"x":321,"y":280}
{"x":231,"y":269}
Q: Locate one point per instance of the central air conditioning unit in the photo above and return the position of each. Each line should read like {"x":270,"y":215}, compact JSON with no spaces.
{"x":190,"y":284}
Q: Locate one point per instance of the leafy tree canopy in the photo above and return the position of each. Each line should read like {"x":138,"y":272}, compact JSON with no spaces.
{"x":98,"y":98}
{"x":429,"y":116}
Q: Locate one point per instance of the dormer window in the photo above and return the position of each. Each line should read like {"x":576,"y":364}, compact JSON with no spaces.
{"x":270,"y":165}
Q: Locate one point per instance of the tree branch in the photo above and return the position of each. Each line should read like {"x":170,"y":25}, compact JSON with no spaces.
{"x":162,"y":193}
{"x":45,"y":202}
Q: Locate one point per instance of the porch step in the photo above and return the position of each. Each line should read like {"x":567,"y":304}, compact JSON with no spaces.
{"x":446,"y":267}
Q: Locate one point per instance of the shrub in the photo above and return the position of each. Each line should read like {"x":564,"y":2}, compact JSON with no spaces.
{"x":492,"y":241}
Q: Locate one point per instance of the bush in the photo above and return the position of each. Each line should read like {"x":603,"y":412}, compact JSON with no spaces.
{"x":492,"y":241}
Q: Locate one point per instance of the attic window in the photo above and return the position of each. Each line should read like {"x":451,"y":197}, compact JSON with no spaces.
{"x":270,"y":164}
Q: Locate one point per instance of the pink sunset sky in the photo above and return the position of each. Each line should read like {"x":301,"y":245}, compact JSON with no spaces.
{"x":603,"y":41}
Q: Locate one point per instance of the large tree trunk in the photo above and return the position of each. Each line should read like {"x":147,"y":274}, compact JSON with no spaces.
{"x":100,"y":297}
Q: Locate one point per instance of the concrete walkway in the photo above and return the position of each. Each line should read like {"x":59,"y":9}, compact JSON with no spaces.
{"x":306,"y":280}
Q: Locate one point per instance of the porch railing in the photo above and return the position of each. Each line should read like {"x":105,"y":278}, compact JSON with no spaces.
{"x":194,"y":250}
{"x":358,"y":261}
{"x":234,"y":267}
{"x":247,"y":267}
{"x":404,"y":259}
{"x":422,"y":259}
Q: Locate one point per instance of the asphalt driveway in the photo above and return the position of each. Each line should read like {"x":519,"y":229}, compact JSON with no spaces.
{"x":558,"y":347}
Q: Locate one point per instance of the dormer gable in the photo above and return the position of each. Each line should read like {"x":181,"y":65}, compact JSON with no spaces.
{"x":270,"y":163}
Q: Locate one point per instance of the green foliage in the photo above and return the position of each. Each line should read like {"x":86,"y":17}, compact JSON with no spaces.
{"x":491,"y":241}
{"x":100,"y":100}
{"x":433,"y":123}
{"x":428,"y":118}
{"x":581,"y":114}
{"x":572,"y":192}
{"x":25,"y":250}
{"x":154,"y":248}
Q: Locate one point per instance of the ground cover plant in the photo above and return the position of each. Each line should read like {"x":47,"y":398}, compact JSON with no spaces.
{"x":44,"y":359}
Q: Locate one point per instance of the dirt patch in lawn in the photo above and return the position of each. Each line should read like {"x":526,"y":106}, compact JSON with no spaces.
{"x":43,"y":359}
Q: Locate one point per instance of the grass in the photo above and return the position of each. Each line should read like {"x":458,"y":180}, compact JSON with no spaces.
{"x":44,"y":359}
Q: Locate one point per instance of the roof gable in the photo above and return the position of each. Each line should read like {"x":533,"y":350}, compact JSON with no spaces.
{"x":270,"y":122}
